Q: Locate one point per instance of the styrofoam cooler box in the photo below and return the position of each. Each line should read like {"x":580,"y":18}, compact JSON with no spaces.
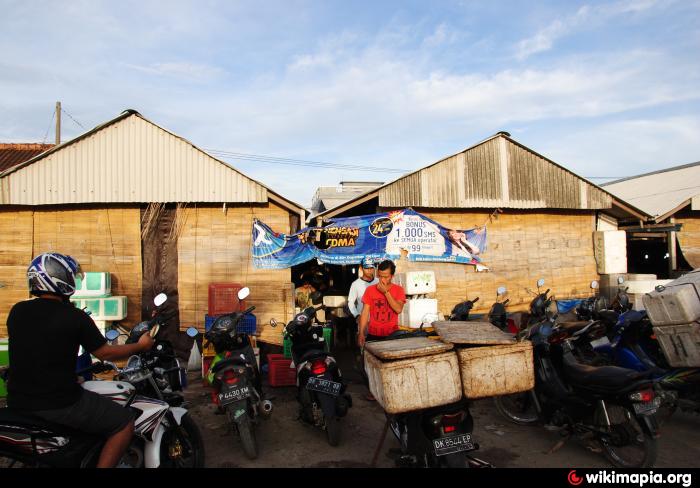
{"x":680,"y":344}
{"x":103,"y":325}
{"x":416,"y":282}
{"x":496,"y":370}
{"x":108,"y":308}
{"x":334,"y":301}
{"x":643,"y":286}
{"x":414,"y":383}
{"x":610,"y":251}
{"x":637,"y":301}
{"x":95,"y":285}
{"x":415,"y":310}
{"x":677,"y":303}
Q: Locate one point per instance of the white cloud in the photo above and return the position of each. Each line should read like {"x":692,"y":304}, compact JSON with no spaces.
{"x":182,"y":70}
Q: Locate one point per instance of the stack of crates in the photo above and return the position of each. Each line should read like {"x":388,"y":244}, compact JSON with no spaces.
{"x":223,"y":299}
{"x":327,"y":338}
{"x":94,"y":294}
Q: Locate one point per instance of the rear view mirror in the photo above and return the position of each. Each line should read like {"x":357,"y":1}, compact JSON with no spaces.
{"x":243,"y":293}
{"x":192,"y":332}
{"x":620,"y":280}
{"x":501,"y":290}
{"x":111,"y":335}
{"x":594,"y":284}
{"x":540,"y":282}
{"x":160,"y":299}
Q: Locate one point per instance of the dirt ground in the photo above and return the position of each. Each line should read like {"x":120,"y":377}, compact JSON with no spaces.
{"x":285,"y":441}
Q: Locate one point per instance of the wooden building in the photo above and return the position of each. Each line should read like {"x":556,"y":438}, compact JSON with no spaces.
{"x":540,"y":220}
{"x":158,"y":213}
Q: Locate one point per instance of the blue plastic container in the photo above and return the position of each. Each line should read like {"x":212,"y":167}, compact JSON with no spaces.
{"x":247,"y":325}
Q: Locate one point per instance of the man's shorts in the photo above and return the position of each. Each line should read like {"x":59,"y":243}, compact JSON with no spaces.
{"x":93,"y":414}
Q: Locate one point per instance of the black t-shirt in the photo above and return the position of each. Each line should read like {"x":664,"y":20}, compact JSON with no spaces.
{"x":45,"y":336}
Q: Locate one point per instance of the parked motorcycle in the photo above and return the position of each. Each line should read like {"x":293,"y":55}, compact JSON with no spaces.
{"x":164,"y":436}
{"x":612,"y":406}
{"x":498,"y":315}
{"x":321,"y":390}
{"x":461,"y":311}
{"x":434,"y":437}
{"x":235,"y":377}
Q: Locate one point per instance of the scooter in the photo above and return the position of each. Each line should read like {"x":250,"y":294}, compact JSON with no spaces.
{"x":435,"y":437}
{"x":321,"y":390}
{"x":235,"y":377}
{"x":611,"y":406}
{"x":461,"y":311}
{"x":164,"y":436}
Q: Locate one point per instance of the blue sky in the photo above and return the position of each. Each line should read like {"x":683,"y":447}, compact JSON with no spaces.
{"x":603,"y":88}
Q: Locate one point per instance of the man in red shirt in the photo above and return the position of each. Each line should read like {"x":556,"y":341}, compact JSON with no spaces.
{"x":383,"y":304}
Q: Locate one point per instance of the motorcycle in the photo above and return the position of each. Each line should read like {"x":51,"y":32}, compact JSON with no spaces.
{"x":164,"y":436}
{"x":235,"y":377}
{"x":614,"y":407}
{"x":434,"y":437}
{"x":321,"y":390}
{"x":461,"y":311}
{"x":167,"y":378}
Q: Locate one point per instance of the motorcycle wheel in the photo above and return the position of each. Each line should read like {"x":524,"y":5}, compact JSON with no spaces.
{"x":10,"y":462}
{"x":183,"y":448}
{"x":628,"y":446}
{"x":247,"y":435}
{"x":333,"y":431}
{"x":518,"y":408}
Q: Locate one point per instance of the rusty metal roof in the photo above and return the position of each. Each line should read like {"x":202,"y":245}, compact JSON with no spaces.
{"x":498,"y":172}
{"x":12,"y":154}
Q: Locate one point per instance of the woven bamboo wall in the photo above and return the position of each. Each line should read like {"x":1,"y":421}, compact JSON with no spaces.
{"x":215,"y":247}
{"x":689,"y":236}
{"x":100,"y":239}
{"x":15,"y":255}
{"x":522,"y":247}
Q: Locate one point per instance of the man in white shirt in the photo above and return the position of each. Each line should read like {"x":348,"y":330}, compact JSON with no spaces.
{"x":358,"y":287}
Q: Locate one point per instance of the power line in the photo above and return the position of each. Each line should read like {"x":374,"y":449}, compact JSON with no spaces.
{"x":46,"y":136}
{"x":71,"y":117}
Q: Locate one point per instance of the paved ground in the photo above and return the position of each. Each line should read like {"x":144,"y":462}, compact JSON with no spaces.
{"x":286,"y":442}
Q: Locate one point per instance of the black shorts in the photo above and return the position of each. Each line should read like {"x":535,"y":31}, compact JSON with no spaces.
{"x":93,"y":414}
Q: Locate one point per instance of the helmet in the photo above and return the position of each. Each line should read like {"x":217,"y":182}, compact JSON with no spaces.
{"x":52,"y":272}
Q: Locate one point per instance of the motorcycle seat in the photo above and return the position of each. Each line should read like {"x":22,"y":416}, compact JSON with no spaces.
{"x":313,"y":354}
{"x":232,"y":361}
{"x":27,"y":420}
{"x":609,"y":377}
{"x":608,"y":316}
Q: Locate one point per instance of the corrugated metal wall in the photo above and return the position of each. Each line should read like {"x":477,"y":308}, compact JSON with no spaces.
{"x":496,"y":173}
{"x":132,"y":160}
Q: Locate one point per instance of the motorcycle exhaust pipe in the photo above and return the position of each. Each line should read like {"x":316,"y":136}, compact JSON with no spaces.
{"x":266,"y":406}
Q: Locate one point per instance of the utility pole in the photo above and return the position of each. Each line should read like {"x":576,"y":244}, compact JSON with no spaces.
{"x":58,"y":123}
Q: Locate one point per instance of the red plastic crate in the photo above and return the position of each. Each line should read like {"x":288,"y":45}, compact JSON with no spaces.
{"x":223,"y":298}
{"x":279,"y":372}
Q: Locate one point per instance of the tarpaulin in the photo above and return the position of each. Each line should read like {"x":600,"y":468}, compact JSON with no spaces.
{"x":378,"y":236}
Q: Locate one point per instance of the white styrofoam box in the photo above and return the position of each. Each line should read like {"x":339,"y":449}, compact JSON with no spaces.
{"x":94,"y":285}
{"x":339,"y":312}
{"x":415,"y":310}
{"x":610,"y":251}
{"x":416,"y":383}
{"x":643,"y":286}
{"x":680,"y":344}
{"x":678,"y":303}
{"x":637,"y":301}
{"x":335,"y":301}
{"x":108,"y":308}
{"x":416,"y":282}
{"x":103,"y":325}
{"x":496,"y":370}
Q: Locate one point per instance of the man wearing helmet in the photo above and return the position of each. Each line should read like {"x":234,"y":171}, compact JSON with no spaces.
{"x":45,"y":335}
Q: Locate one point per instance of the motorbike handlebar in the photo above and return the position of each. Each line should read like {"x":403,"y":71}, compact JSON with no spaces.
{"x":96,"y":368}
{"x":547,"y":291}
{"x":248,"y":310}
{"x":475,"y":300}
{"x":506,"y":301}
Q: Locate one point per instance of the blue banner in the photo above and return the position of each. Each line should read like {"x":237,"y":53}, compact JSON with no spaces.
{"x":379,"y":236}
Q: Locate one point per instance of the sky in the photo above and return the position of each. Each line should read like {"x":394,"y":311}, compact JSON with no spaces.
{"x":606,"y":89}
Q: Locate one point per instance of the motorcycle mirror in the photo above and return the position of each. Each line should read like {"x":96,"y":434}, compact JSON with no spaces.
{"x":273,"y":323}
{"x":243,"y":293}
{"x":540,"y":282}
{"x":160,"y":299}
{"x":192,"y":332}
{"x":620,"y":280}
{"x":501,"y":290}
{"x":594,"y":284}
{"x":111,"y":335}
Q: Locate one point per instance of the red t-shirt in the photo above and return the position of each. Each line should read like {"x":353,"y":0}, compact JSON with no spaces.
{"x":382,"y":318}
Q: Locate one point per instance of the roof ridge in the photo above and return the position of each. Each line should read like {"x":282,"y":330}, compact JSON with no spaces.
{"x":665,"y":170}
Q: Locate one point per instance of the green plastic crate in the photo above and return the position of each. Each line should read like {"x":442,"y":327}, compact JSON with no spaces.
{"x":287,"y":345}
{"x":327,"y":339}
{"x":4,"y":361}
{"x":95,"y":285}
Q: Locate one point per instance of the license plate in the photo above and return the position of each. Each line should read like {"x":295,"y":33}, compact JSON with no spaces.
{"x":647,"y":408}
{"x":233,"y":394}
{"x":452,"y":444}
{"x":324,"y":386}
{"x":603,"y":341}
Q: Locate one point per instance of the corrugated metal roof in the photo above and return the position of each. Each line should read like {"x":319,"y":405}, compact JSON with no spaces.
{"x":660,"y":192}
{"x":498,"y":172}
{"x":129,"y":159}
{"x":12,"y":154}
